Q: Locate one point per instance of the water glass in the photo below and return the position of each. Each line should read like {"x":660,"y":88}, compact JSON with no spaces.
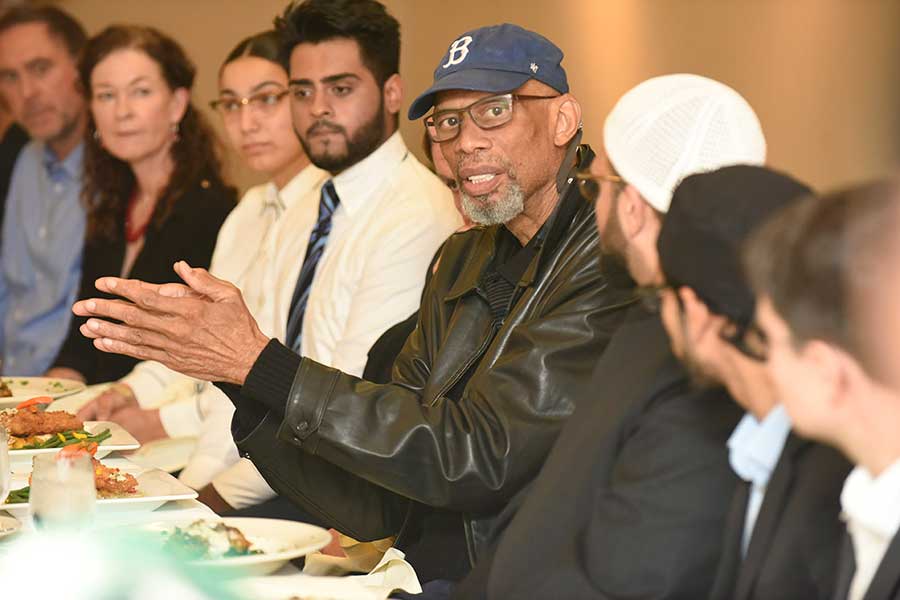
{"x":62,"y":491}
{"x":5,"y":472}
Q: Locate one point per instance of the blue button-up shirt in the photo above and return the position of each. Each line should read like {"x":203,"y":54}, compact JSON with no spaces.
{"x":43,"y":236}
{"x":754,"y":450}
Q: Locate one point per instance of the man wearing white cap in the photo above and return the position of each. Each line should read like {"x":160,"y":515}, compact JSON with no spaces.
{"x":633,"y":498}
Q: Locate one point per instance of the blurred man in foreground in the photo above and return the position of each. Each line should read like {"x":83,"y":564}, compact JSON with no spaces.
{"x":827,"y":275}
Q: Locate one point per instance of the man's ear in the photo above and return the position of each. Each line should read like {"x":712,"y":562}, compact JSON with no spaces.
{"x":568,"y":120}
{"x":393,"y":94}
{"x":832,"y":366}
{"x":700,"y":322}
{"x":631,"y":211}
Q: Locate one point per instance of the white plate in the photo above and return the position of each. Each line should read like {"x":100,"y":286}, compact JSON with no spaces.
{"x":155,"y":488}
{"x":280,"y":541}
{"x":118,"y":440}
{"x":8,"y":526}
{"x":26,"y":388}
{"x":168,"y":454}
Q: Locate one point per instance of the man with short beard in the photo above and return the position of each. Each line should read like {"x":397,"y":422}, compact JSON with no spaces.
{"x":783,"y":533}
{"x":391,"y":215}
{"x":509,"y":328}
{"x":633,"y":496}
{"x":43,"y":227}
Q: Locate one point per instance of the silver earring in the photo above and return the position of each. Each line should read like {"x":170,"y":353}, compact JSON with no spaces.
{"x":96,"y":135}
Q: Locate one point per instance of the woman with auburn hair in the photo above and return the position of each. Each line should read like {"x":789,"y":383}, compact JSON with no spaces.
{"x":256,"y":116}
{"x":153,"y":187}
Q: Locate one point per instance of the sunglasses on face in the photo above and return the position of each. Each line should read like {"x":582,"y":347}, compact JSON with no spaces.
{"x":589,"y":184}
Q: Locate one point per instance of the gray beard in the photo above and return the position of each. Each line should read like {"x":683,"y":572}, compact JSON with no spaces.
{"x":484,"y":212}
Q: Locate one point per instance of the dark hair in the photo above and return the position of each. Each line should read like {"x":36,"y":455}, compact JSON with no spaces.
{"x":265,"y":45}
{"x":59,"y":23}
{"x":109,"y":182}
{"x":367,"y":22}
{"x":818,"y":260}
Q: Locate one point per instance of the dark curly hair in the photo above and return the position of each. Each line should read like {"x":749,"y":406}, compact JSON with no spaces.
{"x":109,"y":182}
{"x":365,"y":21}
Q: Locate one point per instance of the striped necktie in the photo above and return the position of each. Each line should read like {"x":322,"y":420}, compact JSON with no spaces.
{"x":328,"y":203}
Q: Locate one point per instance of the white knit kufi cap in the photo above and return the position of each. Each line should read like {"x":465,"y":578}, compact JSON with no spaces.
{"x":669,"y":127}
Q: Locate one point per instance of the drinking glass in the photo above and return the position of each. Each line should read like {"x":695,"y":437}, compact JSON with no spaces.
{"x":5,"y":474}
{"x":62,"y":491}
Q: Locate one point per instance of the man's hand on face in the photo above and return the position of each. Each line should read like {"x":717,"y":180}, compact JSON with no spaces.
{"x":203,"y":329}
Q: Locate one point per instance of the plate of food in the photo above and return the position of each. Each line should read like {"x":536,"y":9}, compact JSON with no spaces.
{"x":255,"y":546}
{"x":8,"y":526}
{"x":123,"y":488}
{"x":15,"y":390}
{"x":35,"y":431}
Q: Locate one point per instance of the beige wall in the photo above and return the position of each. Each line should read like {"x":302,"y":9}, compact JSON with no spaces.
{"x":822,"y":74}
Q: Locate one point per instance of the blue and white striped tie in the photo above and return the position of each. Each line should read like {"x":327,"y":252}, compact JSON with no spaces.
{"x":328,"y":203}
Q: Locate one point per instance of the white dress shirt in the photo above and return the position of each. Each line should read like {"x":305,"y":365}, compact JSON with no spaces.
{"x":393,"y":216}
{"x":753,"y":451}
{"x":871,"y":508}
{"x":244,"y":248}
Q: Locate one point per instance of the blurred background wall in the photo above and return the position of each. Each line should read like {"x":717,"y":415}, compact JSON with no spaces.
{"x":823,"y":75}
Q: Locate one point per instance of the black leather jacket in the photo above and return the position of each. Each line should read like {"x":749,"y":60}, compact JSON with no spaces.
{"x":475,"y":404}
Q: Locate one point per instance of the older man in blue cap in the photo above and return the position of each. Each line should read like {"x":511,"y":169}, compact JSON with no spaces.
{"x":511,"y":325}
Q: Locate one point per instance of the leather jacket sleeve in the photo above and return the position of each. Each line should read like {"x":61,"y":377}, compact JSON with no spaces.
{"x":472,"y":450}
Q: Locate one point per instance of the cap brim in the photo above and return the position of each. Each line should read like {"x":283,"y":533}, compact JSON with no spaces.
{"x":473,"y":80}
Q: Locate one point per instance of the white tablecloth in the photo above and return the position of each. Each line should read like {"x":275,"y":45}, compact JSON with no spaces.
{"x":392,"y":573}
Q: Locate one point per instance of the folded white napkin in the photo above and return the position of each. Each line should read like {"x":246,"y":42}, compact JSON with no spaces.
{"x":392,"y":573}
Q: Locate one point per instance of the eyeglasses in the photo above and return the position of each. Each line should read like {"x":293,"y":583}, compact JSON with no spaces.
{"x":263,"y":103}
{"x":589,"y":184}
{"x":487,"y":113}
{"x":749,"y":340}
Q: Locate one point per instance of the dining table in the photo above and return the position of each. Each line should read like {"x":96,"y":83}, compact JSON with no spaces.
{"x":319,"y":576}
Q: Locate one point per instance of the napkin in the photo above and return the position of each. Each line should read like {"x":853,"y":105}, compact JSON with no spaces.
{"x":391,"y":573}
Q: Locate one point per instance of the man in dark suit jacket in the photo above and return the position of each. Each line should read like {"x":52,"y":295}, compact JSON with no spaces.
{"x":826,"y":273}
{"x":632,"y":500}
{"x":783,"y":533}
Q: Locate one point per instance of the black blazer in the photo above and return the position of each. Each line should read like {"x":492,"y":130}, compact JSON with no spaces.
{"x":633,"y":497}
{"x":794,"y":547}
{"x":189,"y":233}
{"x":885,"y":583}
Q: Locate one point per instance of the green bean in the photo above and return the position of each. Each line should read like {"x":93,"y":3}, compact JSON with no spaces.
{"x":19,"y":496}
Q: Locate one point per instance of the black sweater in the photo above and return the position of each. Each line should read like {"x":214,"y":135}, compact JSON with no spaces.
{"x":189,"y":233}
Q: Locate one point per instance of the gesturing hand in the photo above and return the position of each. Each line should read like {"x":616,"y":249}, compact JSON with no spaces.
{"x":203,"y":330}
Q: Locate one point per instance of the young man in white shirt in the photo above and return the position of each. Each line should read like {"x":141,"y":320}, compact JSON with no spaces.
{"x":827,"y":275}
{"x":392,"y":216}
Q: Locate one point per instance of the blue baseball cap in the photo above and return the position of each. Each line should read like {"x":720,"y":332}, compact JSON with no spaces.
{"x":499,"y":58}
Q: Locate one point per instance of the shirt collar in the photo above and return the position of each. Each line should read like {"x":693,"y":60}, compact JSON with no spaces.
{"x":355,"y":185}
{"x":70,"y":167}
{"x":873,"y":503}
{"x":308,"y":178}
{"x":755,"y":446}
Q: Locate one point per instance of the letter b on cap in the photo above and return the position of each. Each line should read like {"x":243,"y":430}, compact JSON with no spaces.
{"x":458,"y":51}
